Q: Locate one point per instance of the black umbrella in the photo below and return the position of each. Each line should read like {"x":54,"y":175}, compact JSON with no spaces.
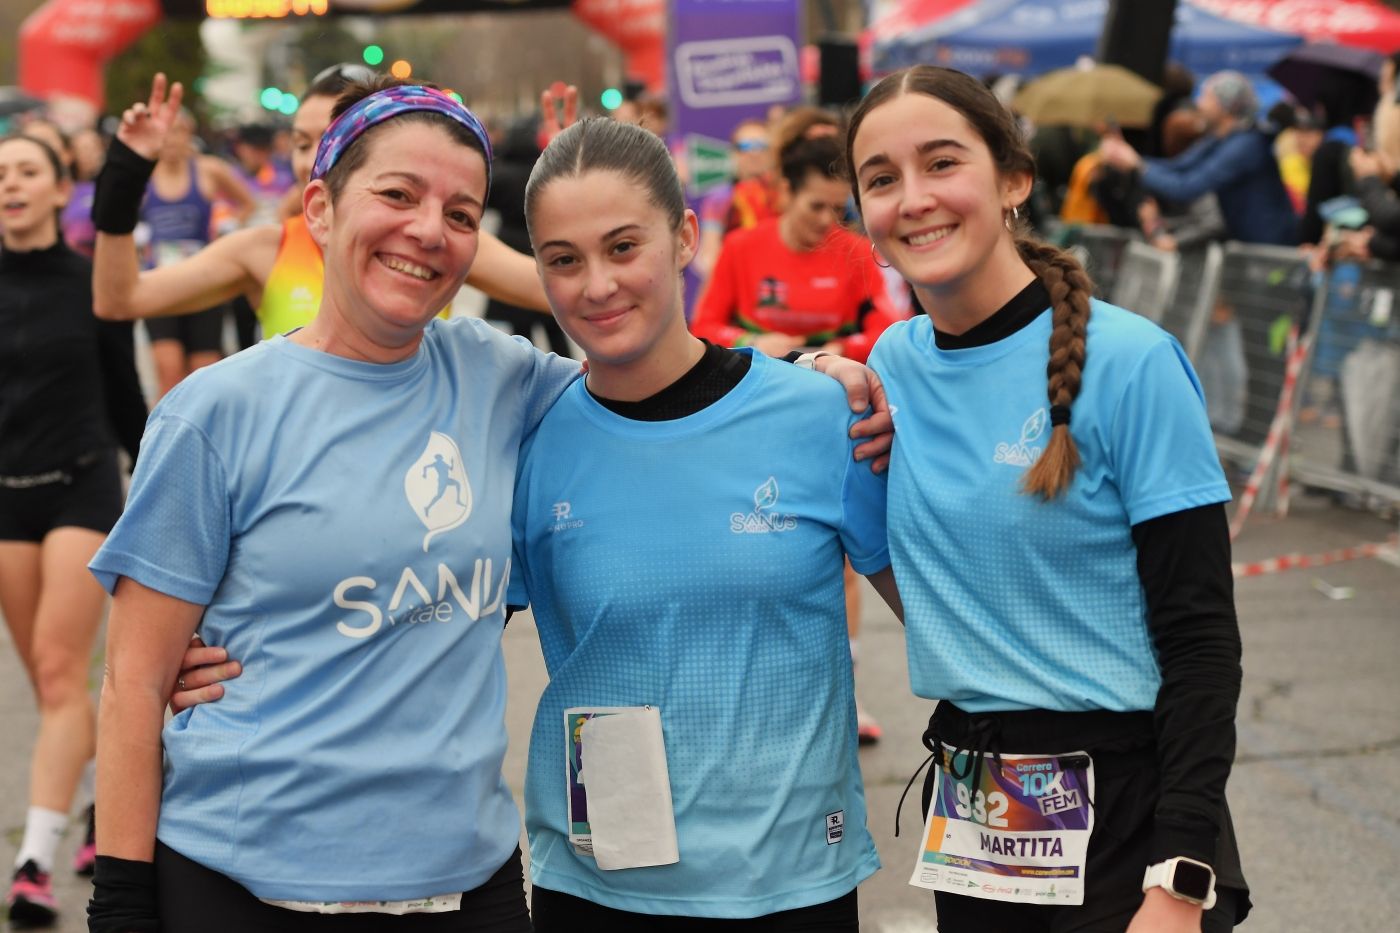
{"x":1335,"y":77}
{"x":13,"y":101}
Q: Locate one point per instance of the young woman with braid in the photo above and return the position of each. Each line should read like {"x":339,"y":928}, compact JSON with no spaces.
{"x":1061,"y":549}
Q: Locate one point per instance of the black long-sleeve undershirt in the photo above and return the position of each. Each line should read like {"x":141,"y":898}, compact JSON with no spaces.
{"x":68,"y":384}
{"x":1183,"y":563}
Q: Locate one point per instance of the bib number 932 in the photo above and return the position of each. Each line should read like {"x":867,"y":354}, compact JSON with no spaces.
{"x":987,"y":809}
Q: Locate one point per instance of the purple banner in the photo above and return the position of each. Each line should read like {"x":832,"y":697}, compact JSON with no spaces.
{"x":731,"y":59}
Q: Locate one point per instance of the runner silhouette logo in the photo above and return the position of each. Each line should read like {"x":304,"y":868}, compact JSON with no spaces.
{"x":437,"y":487}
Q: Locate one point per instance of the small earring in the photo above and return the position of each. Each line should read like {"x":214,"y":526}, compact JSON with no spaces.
{"x":876,"y":256}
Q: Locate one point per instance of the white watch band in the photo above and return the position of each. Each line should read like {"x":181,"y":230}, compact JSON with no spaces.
{"x":1160,"y":874}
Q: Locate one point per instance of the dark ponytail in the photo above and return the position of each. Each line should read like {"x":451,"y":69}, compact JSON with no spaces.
{"x":600,"y":144}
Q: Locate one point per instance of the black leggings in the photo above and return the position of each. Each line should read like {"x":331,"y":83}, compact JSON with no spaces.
{"x":195,"y":899}
{"x":563,"y":913}
{"x":1125,"y":764}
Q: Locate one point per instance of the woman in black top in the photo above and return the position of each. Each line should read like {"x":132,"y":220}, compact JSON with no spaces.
{"x":68,"y":396}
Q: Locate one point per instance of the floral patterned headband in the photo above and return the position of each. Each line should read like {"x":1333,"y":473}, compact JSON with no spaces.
{"x":383,"y":105}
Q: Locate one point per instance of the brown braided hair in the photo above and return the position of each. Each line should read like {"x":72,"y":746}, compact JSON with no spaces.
{"x":1061,"y":274}
{"x":1069,"y":287}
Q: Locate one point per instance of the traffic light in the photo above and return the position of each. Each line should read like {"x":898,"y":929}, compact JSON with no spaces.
{"x":611,"y":99}
{"x":374,"y":55}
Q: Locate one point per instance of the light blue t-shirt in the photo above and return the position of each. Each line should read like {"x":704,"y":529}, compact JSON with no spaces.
{"x":1010,"y":601}
{"x":347,"y":526}
{"x":695,"y":565}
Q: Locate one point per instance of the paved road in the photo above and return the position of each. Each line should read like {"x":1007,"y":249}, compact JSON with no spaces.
{"x":1316,"y":789}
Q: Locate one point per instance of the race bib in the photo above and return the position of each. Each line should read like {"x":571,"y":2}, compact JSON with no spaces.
{"x":619,"y":787}
{"x":169,"y":252}
{"x":1020,"y":835}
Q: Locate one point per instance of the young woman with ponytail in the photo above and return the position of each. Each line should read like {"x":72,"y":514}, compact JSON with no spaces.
{"x":1058,"y":533}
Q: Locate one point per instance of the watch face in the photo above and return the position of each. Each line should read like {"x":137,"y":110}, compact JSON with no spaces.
{"x":1191,"y":880}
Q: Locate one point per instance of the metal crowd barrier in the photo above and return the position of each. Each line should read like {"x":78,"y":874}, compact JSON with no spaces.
{"x":1346,"y":435}
{"x":1100,"y":248}
{"x":1234,"y":309}
{"x":1187,"y":316}
{"x":1264,"y":295}
{"x":1146,"y":280}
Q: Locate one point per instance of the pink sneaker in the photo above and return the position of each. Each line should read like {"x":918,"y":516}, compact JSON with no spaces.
{"x":868,"y":731}
{"x":30,"y":899}
{"x":85,"y":859}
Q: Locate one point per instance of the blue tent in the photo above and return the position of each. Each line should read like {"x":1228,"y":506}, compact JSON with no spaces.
{"x":1031,"y":37}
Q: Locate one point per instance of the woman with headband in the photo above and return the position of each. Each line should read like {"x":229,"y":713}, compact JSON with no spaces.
{"x":334,"y":507}
{"x":276,"y":267}
{"x":355,"y":560}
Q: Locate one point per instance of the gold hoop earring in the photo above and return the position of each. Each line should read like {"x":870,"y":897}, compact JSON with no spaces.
{"x":1012,"y":220}
{"x":876,"y":257}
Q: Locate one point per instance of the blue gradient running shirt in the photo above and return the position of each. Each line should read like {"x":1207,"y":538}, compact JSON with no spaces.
{"x":695,"y":565}
{"x":1012,"y":602}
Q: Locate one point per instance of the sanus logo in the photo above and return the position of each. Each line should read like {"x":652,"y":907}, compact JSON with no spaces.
{"x":437,"y":487}
{"x":762,"y":519}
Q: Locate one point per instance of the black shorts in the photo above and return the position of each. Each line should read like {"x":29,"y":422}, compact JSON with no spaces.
{"x":554,"y":912}
{"x":195,"y":899}
{"x":84,"y":494}
{"x":1124,"y":752}
{"x":201,"y":332}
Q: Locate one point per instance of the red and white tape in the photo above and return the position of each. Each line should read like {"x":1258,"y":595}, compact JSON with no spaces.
{"x":1306,"y":561}
{"x":1277,"y":440}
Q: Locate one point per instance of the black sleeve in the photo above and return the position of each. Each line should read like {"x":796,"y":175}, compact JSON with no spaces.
{"x":1384,"y":246}
{"x":1184,"y":565}
{"x":1327,"y":181}
{"x":123,"y":897}
{"x":1382,"y":206}
{"x":126,"y":406}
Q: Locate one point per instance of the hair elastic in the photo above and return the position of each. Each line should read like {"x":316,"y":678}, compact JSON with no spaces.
{"x":383,"y":105}
{"x":1059,"y":414}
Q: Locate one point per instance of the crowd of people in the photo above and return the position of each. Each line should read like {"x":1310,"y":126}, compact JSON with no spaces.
{"x":973,"y":441}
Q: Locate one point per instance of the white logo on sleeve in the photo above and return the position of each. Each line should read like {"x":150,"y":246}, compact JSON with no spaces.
{"x":437,"y":488}
{"x":1022,"y":453}
{"x":763,"y":518}
{"x":564,"y":518}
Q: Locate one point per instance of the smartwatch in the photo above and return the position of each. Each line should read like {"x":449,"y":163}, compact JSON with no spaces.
{"x":1184,"y":879}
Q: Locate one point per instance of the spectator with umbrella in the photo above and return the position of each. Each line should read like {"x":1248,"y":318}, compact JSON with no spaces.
{"x":1337,"y":85}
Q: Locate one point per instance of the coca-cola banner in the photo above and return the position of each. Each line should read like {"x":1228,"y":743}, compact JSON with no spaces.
{"x":1364,"y":23}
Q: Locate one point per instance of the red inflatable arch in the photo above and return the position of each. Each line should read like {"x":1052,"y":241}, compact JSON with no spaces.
{"x":64,"y":45}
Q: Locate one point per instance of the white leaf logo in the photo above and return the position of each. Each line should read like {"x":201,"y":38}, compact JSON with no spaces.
{"x":437,"y":487}
{"x":766,"y":496}
{"x":1034,"y":426}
